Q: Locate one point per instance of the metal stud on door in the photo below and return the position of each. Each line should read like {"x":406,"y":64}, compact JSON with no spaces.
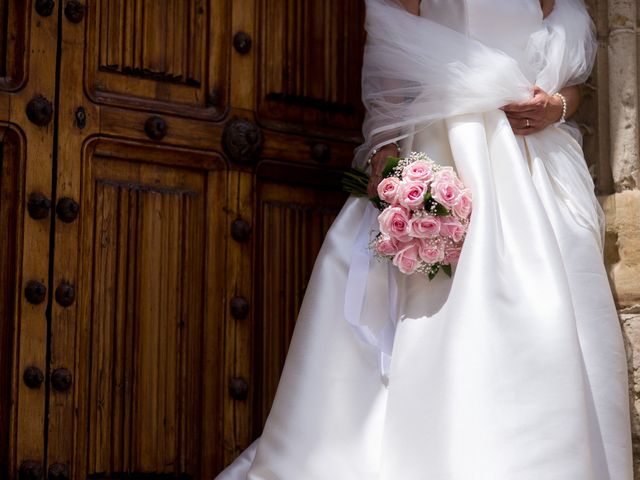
{"x":39,"y":111}
{"x":67,"y":209}
{"x":44,"y":8}
{"x":35,"y":292}
{"x":38,"y":206}
{"x":61,"y":379}
{"x":30,"y":470}
{"x":74,"y":11}
{"x":33,"y":377}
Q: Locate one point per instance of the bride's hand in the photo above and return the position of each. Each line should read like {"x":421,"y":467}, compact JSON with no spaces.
{"x":378,"y":162}
{"x":534,"y":115}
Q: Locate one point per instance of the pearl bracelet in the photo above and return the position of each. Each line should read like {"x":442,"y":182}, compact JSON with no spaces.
{"x":563,"y":99}
{"x":375,"y":151}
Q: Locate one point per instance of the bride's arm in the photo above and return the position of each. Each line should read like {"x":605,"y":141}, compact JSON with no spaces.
{"x":542,"y":110}
{"x":379,"y":160}
{"x":412,"y":6}
{"x":547,"y":7}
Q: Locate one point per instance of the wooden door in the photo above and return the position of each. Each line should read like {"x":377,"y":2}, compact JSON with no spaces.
{"x":193,"y":165}
{"x":27,"y":96}
{"x":143,"y":86}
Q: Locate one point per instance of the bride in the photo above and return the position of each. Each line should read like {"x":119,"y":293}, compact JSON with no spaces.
{"x":512,"y":369}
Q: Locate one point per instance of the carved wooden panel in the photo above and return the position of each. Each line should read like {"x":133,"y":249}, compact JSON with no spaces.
{"x":155,"y":348}
{"x":165,"y":55}
{"x":10,"y":194}
{"x":13,"y":51}
{"x":292,"y":224}
{"x":310,"y":56}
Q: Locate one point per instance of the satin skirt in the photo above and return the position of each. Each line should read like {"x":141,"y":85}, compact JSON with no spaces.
{"x":513,"y":369}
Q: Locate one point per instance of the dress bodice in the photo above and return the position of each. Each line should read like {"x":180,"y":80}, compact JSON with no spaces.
{"x":503,"y":24}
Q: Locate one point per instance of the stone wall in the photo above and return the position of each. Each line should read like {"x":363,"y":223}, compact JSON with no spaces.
{"x":609,"y":119}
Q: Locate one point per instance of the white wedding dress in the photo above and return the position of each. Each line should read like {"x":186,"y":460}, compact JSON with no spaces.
{"x":513,"y":369}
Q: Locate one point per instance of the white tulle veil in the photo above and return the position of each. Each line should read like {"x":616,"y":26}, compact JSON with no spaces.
{"x":416,"y":71}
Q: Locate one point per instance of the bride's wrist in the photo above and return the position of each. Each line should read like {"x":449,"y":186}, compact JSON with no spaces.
{"x":395,"y":146}
{"x":559,"y":102}
{"x":389,"y":150}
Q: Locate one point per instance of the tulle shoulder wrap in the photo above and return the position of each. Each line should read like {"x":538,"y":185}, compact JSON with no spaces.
{"x":416,"y":71}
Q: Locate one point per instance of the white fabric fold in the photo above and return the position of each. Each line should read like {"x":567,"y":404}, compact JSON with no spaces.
{"x":417,"y":70}
{"x":406,"y":87}
{"x":357,"y":276}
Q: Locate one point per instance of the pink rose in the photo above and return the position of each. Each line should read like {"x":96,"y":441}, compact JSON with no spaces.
{"x":394,"y":221}
{"x":463,"y":207}
{"x":447,"y":175}
{"x":420,"y":170}
{"x":424,"y":227}
{"x":452,"y":253}
{"x":407,"y":259}
{"x":431,"y":252}
{"x":445,"y":192}
{"x":386,"y":245}
{"x":388,"y":190}
{"x":411,"y":194}
{"x":451,"y":227}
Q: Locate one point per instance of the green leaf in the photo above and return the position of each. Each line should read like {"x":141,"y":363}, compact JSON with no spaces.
{"x":377,"y":202}
{"x":428,"y":201}
{"x":431,"y":205}
{"x":434,"y":207}
{"x":441,"y":210}
{"x":446,"y":269}
{"x":392,"y":162}
{"x":433,"y":272}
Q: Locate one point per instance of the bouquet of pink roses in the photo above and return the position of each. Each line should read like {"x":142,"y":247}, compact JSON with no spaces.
{"x":425,"y":211}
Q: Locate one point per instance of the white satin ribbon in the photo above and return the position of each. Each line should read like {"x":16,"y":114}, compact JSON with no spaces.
{"x":358,"y":274}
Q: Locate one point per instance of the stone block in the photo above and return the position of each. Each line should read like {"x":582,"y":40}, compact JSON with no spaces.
{"x":622,"y":247}
{"x":631,"y":329}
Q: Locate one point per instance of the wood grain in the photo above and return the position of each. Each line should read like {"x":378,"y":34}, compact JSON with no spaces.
{"x":14,"y":56}
{"x":28,"y":417}
{"x":4,"y":22}
{"x":239,"y":355}
{"x":139,"y":260}
{"x":309,"y":62}
{"x":146,"y":254}
{"x":165,"y":55}
{"x":11,"y":181}
{"x":67,"y":333}
{"x":137,"y":38}
{"x":292,"y":224}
